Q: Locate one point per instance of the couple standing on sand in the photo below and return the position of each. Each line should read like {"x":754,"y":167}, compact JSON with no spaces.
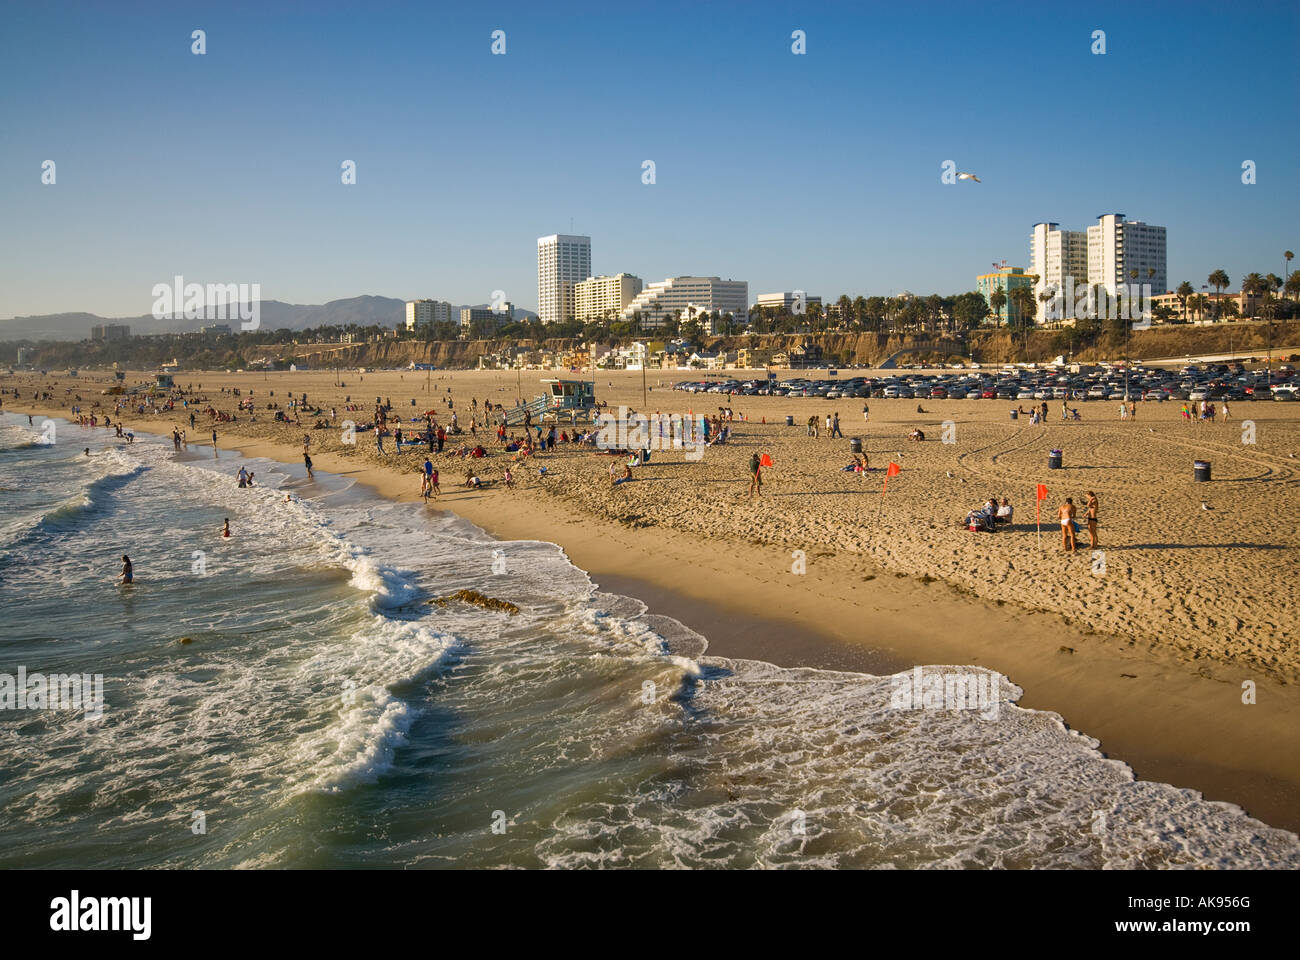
{"x":1066,"y":514}
{"x":429,"y":481}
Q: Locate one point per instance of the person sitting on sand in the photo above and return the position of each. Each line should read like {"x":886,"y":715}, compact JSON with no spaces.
{"x":920,"y":409}
{"x":917,"y":435}
{"x":859,"y":464}
{"x":980,"y":520}
{"x":627,"y":475}
{"x":1005,"y":512}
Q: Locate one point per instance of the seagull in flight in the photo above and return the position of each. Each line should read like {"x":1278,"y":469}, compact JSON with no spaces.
{"x":969,"y":176}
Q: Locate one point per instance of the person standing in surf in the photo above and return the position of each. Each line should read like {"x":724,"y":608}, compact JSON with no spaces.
{"x":128,"y":575}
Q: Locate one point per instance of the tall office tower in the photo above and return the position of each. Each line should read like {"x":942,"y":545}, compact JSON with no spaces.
{"x":1055,"y":256}
{"x":562,"y":262}
{"x":1117,"y":248}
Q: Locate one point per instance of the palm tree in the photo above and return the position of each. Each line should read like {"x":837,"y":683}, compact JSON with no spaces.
{"x":997,"y":301}
{"x":1293,"y":285}
{"x":1184,"y":291}
{"x":1253,"y":286}
{"x":1287,"y":257}
{"x":1045,"y":298}
{"x":1218,"y":280}
{"x":860,"y":311}
{"x":843,"y":305}
{"x":1022,"y":298}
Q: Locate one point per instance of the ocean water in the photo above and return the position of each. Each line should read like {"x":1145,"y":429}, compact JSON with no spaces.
{"x":325,"y":714}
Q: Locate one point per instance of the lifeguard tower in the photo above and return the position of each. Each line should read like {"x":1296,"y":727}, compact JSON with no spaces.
{"x":561,"y":400}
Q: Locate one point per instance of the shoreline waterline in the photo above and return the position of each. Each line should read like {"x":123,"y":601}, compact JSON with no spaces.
{"x":1186,"y":733}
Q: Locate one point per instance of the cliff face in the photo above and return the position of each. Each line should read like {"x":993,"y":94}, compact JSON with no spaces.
{"x":455,"y":354}
{"x":987,"y":347}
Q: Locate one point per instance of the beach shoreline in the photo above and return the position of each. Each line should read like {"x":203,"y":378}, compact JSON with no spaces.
{"x":1166,"y":719}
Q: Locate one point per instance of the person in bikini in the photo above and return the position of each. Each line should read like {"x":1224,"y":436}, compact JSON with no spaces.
{"x":1092,"y":520}
{"x":1066,"y":514}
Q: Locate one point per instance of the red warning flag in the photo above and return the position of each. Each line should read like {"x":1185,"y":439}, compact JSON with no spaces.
{"x":766,"y":461}
{"x":1042,"y":491}
{"x":891,"y":472}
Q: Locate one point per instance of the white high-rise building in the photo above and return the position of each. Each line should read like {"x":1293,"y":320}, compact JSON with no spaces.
{"x":1055,"y":255}
{"x":1107,"y":255}
{"x":598,"y":297}
{"x":794,"y":301}
{"x":563,"y":261}
{"x":681,"y":295}
{"x":423,"y":314}
{"x":1118,"y":247}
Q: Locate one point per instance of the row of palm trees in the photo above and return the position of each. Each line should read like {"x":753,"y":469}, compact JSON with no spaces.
{"x":1264,"y":288}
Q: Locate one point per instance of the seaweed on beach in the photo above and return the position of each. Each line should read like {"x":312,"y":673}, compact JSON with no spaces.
{"x":478,"y":599}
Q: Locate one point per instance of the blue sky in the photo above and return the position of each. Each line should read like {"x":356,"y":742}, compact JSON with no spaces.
{"x":819,"y":172}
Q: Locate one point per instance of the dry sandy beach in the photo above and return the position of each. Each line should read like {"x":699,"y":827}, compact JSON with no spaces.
{"x":1147,"y":651}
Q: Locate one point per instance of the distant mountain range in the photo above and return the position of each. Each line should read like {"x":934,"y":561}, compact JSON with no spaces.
{"x":275,"y":315}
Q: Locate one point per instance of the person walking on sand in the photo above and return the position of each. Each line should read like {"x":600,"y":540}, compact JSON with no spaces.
{"x":1226,"y":412}
{"x":755,"y":475}
{"x":1066,"y":515}
{"x":866,"y":413}
{"x":1092,"y":520}
{"x":835,"y":426}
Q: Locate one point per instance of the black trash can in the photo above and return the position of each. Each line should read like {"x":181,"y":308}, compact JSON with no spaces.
{"x":1054,"y":460}
{"x":855,"y":445}
{"x":1015,"y":414}
{"x":1201,"y":470}
{"x":789,"y":421}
